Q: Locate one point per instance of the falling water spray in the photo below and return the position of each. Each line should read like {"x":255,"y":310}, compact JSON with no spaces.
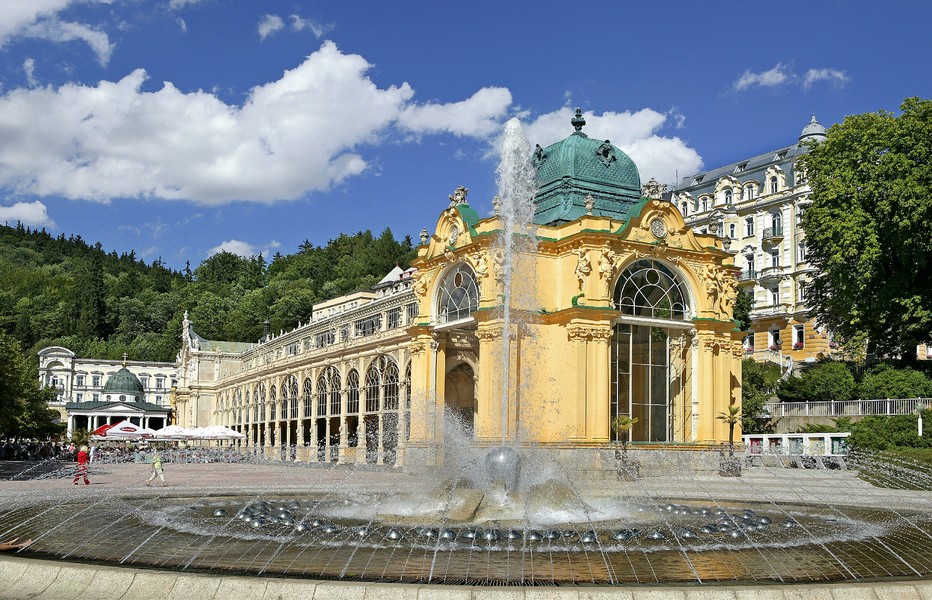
{"x":516,"y":188}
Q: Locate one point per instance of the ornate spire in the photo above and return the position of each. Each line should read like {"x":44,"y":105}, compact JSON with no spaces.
{"x":578,"y":122}
{"x":125,"y":356}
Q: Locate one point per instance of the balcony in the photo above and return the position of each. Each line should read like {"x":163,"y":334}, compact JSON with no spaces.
{"x":747,"y":275}
{"x":773,"y":235}
{"x":771,"y":273}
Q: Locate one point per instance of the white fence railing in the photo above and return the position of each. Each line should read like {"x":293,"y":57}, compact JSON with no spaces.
{"x":802,"y":444}
{"x":847,"y":408}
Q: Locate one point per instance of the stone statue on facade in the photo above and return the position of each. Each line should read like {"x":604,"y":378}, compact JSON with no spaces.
{"x":458,"y":196}
{"x":654,"y":189}
{"x":583,"y":265}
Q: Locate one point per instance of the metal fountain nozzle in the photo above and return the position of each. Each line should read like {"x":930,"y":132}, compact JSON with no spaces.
{"x":504,"y":464}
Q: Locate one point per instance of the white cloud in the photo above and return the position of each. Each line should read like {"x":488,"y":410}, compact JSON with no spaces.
{"x":182,"y":25}
{"x":36,"y":19}
{"x":636,"y":133}
{"x":299,"y":23}
{"x":29,"y":213}
{"x":834,"y":76}
{"x":236,"y":247}
{"x":778,"y":75}
{"x":29,"y":68}
{"x":269,"y":25}
{"x":477,"y":116}
{"x":301,"y":133}
{"x":17,"y":14}
{"x":176,"y":4}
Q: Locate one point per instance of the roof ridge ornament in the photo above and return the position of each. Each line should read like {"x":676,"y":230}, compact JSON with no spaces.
{"x":579,"y":122}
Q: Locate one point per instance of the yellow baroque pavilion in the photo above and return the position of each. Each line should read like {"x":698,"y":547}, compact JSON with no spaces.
{"x":614,"y":307}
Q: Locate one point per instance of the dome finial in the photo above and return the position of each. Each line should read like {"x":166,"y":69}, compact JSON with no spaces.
{"x":578,"y":121}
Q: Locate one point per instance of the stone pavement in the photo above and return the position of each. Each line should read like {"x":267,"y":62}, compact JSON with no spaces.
{"x":25,"y":577}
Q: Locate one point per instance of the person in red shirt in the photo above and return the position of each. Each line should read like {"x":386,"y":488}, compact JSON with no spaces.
{"x":82,"y":466}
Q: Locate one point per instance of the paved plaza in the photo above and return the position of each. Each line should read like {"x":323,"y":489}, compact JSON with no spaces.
{"x":26,"y":575}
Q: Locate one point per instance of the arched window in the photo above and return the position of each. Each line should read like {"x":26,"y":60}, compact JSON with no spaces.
{"x":272,"y":398}
{"x":352,"y":392}
{"x":773,"y":185}
{"x":261,"y":402}
{"x":705,"y":204}
{"x":750,"y":191}
{"x":776,"y":221}
{"x":729,"y":197}
{"x":322,"y":395}
{"x":407,"y":387}
{"x":307,"y":399}
{"x":648,"y":288}
{"x":293,"y":398}
{"x":459,"y":294}
{"x":333,"y":382}
{"x":684,"y":209}
{"x":373,"y":383}
{"x":390,"y":383}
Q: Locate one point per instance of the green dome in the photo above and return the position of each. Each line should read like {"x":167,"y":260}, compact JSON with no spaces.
{"x":580,"y":166}
{"x":124,"y":383}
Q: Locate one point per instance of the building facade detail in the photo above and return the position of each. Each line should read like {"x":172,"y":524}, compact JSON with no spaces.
{"x":755,"y":206}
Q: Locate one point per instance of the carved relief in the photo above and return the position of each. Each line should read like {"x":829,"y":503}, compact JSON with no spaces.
{"x":498,"y":270}
{"x":583,"y":266}
{"x":588,"y":332}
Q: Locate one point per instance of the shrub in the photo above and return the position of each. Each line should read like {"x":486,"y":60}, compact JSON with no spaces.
{"x":878,"y":433}
{"x":886,"y":382}
{"x":829,"y":380}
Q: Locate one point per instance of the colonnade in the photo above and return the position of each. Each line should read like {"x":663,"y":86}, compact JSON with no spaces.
{"x":356,"y":410}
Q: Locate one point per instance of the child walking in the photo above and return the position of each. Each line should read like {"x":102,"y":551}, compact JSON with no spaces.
{"x":156,"y":469}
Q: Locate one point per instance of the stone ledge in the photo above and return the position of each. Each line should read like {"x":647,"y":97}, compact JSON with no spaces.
{"x":47,"y":580}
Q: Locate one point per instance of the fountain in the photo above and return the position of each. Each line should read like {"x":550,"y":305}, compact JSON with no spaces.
{"x":497,"y":517}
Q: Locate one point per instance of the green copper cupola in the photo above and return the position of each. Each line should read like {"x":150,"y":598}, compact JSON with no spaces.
{"x":577,"y":167}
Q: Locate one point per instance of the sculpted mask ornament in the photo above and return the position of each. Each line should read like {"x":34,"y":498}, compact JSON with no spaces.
{"x":420,"y":283}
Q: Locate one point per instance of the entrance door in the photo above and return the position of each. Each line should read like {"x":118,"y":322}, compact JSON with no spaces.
{"x":460,"y":398}
{"x":649,"y":381}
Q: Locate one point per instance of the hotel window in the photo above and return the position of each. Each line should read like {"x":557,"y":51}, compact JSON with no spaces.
{"x":749,"y":227}
{"x":412,"y":312}
{"x":802,"y":252}
{"x":750,"y":191}
{"x":773,"y":185}
{"x":799,"y":336}
{"x":79,"y":397}
{"x":802,"y":292}
{"x":96,"y":397}
{"x":683,"y":208}
{"x":322,"y":340}
{"x":775,"y":296}
{"x":159,"y":383}
{"x":729,"y":196}
{"x":144,"y":381}
{"x":705,"y":204}
{"x":799,"y":214}
{"x":95,"y":381}
{"x":732,"y":231}
{"x":158,"y":400}
{"x":775,"y":258}
{"x":80,"y":381}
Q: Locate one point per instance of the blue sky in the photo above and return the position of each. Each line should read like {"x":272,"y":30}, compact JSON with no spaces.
{"x":179,"y":127}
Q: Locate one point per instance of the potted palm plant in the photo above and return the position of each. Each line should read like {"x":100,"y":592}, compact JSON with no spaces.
{"x":730,"y":466}
{"x":628,"y":470}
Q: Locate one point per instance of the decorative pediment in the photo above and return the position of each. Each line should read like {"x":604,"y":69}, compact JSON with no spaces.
{"x":661,"y":223}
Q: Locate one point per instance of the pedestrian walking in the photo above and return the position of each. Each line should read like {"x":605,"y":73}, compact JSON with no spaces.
{"x":156,"y":469}
{"x":82,"y":466}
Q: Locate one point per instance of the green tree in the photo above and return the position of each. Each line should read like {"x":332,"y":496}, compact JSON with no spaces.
{"x":826,"y":381}
{"x":869,"y":228}
{"x":731,"y":418}
{"x":758,"y":383}
{"x":879,"y":432}
{"x":24,"y":410}
{"x":742,"y":313}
